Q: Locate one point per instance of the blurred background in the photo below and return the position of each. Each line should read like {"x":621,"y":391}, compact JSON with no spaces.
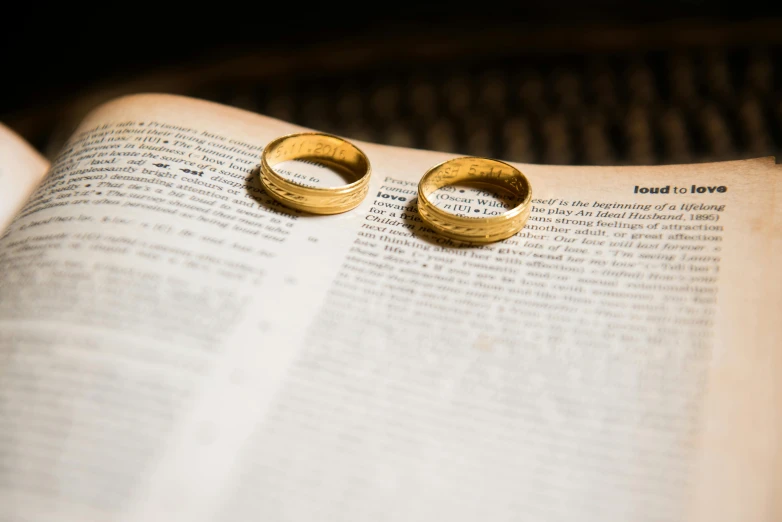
{"x":558,"y":82}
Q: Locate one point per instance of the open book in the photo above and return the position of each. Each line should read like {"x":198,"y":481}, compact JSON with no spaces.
{"x":175,"y":345}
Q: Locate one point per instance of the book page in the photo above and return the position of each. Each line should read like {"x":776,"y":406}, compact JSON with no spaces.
{"x":175,"y":345}
{"x":21,"y":169}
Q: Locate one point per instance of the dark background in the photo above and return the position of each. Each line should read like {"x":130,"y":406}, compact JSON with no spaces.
{"x":565,"y":82}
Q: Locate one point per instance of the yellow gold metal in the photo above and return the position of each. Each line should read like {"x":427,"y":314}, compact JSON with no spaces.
{"x":480,"y":171}
{"x":324,"y":149}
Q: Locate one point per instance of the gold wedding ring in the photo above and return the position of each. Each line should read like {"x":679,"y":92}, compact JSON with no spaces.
{"x":483,"y":172}
{"x":323,"y":149}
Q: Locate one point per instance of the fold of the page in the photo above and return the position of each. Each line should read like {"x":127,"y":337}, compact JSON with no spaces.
{"x":21,"y":169}
{"x":174,"y":345}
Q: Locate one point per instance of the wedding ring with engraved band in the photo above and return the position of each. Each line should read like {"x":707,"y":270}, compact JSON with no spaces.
{"x":488,"y":173}
{"x":325,"y":150}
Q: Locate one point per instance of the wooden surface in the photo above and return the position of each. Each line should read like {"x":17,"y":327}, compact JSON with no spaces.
{"x":595,"y":95}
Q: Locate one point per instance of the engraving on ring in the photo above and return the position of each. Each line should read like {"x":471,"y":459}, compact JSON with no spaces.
{"x":315,"y":147}
{"x":490,"y":226}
